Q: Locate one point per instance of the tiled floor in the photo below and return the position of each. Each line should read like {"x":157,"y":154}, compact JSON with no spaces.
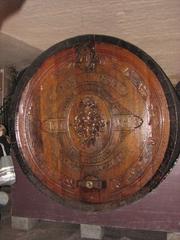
{"x":64,"y":231}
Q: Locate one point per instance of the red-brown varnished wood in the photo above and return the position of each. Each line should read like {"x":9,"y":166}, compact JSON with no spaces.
{"x":93,"y":124}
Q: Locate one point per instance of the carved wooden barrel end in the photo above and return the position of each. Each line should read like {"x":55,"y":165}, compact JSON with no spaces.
{"x":95,"y":123}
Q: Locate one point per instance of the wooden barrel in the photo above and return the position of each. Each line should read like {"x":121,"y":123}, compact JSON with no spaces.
{"x":95,"y":122}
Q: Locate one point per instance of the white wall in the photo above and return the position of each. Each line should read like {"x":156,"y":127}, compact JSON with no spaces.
{"x":151,"y":25}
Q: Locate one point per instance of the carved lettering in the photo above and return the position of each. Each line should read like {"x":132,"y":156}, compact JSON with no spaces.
{"x":137,"y":81}
{"x":126,"y":122}
{"x":54,"y":125}
{"x":114,"y":83}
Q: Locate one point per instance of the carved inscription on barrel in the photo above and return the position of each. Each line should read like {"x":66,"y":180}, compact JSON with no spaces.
{"x":93,"y":124}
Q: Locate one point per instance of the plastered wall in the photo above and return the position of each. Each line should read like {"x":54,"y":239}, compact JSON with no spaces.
{"x":151,"y":25}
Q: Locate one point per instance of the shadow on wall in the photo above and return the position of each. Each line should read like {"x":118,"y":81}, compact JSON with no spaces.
{"x":8,"y":8}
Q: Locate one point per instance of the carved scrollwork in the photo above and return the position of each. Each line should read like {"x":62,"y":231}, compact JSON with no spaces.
{"x":116,"y":184}
{"x":67,"y":182}
{"x":86,"y":58}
